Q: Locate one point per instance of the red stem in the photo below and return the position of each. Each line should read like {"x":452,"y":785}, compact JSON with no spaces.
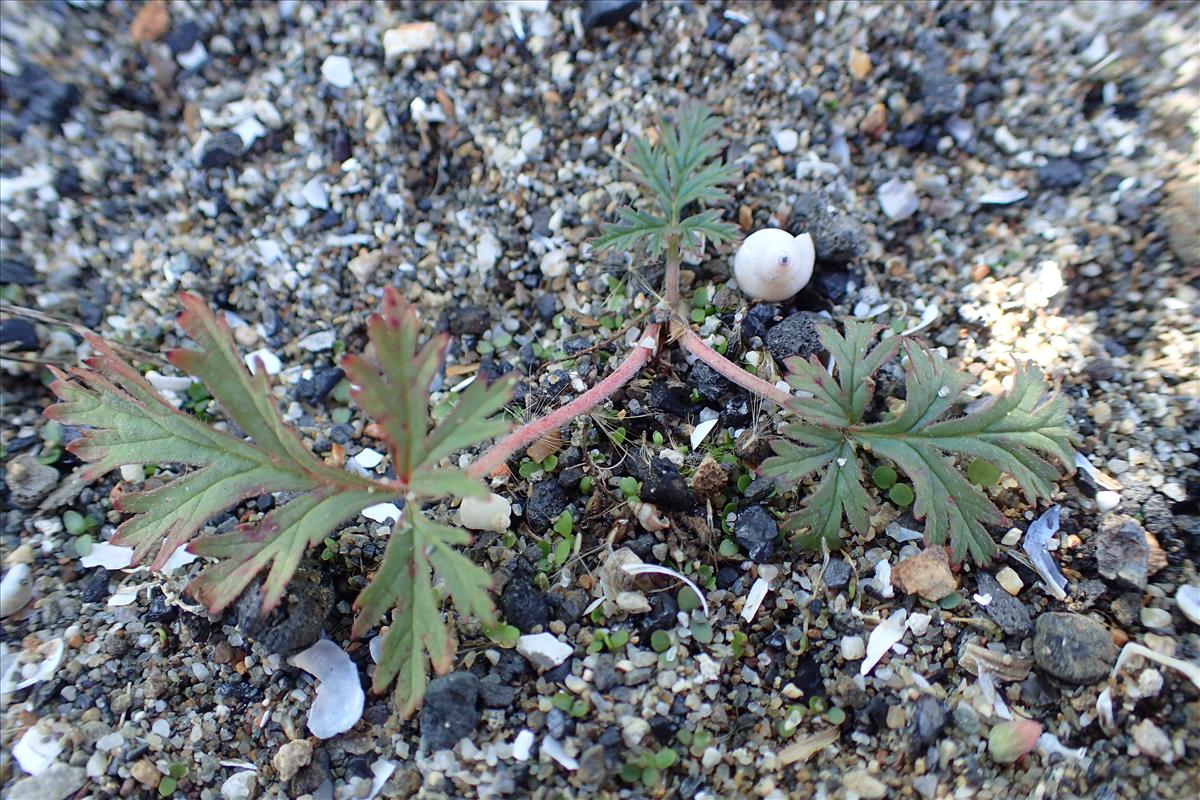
{"x":525,"y":435}
{"x":733,"y":372}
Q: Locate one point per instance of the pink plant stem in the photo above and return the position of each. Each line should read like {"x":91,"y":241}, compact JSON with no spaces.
{"x":525,"y":435}
{"x":733,"y":372}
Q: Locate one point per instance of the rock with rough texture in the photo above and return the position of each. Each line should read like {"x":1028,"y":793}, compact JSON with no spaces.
{"x":28,"y":481}
{"x":448,"y":712}
{"x":55,"y":783}
{"x":755,"y":531}
{"x":546,"y":502}
{"x":296,"y":622}
{"x":1073,"y":648}
{"x":795,"y":336}
{"x":926,"y":574}
{"x":239,"y":785}
{"x":523,"y":605}
{"x":1060,"y":173}
{"x":221,"y":150}
{"x":1122,"y":551}
{"x":289,"y":758}
{"x":928,"y":720}
{"x":837,"y":574}
{"x":1005,"y":610}
{"x":664,"y":486}
{"x":836,"y":236}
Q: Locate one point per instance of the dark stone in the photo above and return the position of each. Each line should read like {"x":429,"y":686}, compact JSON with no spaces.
{"x":546,"y":306}
{"x":707,"y":381}
{"x":727,"y":576}
{"x":546,"y":502}
{"x":1060,"y":173}
{"x":836,"y":236}
{"x":467,"y":320}
{"x":795,"y":336}
{"x":67,"y":182}
{"x":928,"y":718}
{"x":494,"y":694}
{"x":323,"y":381}
{"x":556,"y":723}
{"x":663,"y":398}
{"x":523,"y":605}
{"x":604,"y":674}
{"x":940,"y":91}
{"x":837,"y":574}
{"x":510,"y":665}
{"x":182,"y":37}
{"x":237,"y":691}
{"x":18,"y":271}
{"x":310,"y":776}
{"x":491,"y":370}
{"x":1073,"y":648}
{"x":159,"y":610}
{"x":755,"y":531}
{"x":752,"y":447}
{"x":221,"y":150}
{"x":343,"y":146}
{"x":606,"y":13}
{"x":1122,"y":551}
{"x":19,"y":335}
{"x":575,"y":344}
{"x":568,"y":605}
{"x":448,"y":712}
{"x":1035,"y":692}
{"x":833,"y":283}
{"x":759,"y":489}
{"x":736,"y":411}
{"x":1005,"y":610}
{"x":559,"y":674}
{"x":912,"y":137}
{"x":664,"y":485}
{"x":758,"y":319}
{"x":663,"y":728}
{"x":95,"y":589}
{"x":42,"y":99}
{"x":661,"y":616}
{"x":298,"y":619}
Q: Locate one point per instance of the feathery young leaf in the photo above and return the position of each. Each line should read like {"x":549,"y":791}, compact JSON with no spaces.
{"x":1017,"y":432}
{"x":679,"y":170}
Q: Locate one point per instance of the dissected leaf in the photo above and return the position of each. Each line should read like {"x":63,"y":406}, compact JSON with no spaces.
{"x":129,"y":422}
{"x":1017,"y":432}
{"x":418,"y":636}
{"x":679,"y":170}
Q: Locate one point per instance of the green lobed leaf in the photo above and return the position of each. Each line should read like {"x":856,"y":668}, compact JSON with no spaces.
{"x":1018,"y":432}
{"x":418,"y":636}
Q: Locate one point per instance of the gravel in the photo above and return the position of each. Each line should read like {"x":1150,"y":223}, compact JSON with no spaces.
{"x":287,"y":161}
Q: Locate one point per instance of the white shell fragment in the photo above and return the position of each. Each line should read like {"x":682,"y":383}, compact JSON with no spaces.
{"x":412,"y":37}
{"x":340,"y":698}
{"x":886,"y":634}
{"x":180,"y":558}
{"x":109,"y":556}
{"x":523,"y":745}
{"x":1036,"y":547}
{"x":338,"y":71}
{"x":648,"y":516}
{"x":269,"y":361}
{"x":368,"y":458}
{"x":543,"y":650}
{"x":701,"y":431}
{"x":1188,"y":599}
{"x":754,"y":600}
{"x":382,"y":512}
{"x":30,"y":667}
{"x":1189,"y":669}
{"x":898,"y":199}
{"x":1002,"y":197}
{"x":491,"y":513}
{"x":381,"y":770}
{"x":773,"y":265}
{"x":37,"y":750}
{"x":15,"y":589}
{"x":553,"y":748}
{"x":655,"y":569}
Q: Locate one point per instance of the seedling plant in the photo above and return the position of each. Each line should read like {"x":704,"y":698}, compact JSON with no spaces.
{"x":827,"y":437}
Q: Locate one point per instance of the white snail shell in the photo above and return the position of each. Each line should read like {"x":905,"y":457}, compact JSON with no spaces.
{"x":773,"y":265}
{"x":15,"y":589}
{"x":491,"y":513}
